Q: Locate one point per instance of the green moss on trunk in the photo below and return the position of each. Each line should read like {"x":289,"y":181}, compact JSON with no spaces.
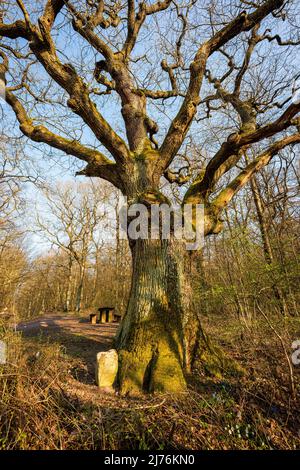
{"x":150,"y":338}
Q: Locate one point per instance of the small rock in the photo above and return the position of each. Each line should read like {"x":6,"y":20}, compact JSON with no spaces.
{"x":106,"y":368}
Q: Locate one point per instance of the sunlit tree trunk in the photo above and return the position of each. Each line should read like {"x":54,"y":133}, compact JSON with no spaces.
{"x":150,"y":339}
{"x":79,"y":292}
{"x":69,"y":286}
{"x":268,"y":252}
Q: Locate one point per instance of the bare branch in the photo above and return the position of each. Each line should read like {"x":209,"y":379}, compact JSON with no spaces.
{"x":134,"y":25}
{"x":182,"y":121}
{"x":225,"y":196}
{"x":96,"y":160}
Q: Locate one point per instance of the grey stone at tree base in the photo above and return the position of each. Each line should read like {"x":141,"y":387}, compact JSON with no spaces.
{"x":106,"y":368}
{"x":2,"y":352}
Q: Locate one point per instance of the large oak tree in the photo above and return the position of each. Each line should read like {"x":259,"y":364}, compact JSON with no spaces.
{"x":214,"y":73}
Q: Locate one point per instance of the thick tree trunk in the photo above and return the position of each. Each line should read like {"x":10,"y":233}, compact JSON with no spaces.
{"x":150,"y":339}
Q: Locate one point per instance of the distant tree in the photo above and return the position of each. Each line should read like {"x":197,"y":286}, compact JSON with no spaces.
{"x":13,"y":258}
{"x":70,"y":221}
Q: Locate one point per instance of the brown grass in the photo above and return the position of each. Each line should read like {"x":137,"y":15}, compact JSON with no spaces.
{"x":48,"y":399}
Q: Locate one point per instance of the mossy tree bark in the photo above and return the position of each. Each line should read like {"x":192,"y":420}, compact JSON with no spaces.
{"x":161,"y":339}
{"x":150,"y":339}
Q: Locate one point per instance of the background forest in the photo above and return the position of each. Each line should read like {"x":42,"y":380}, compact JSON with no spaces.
{"x":73,"y":264}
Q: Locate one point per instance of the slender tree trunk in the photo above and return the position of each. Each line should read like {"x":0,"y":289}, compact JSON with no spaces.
{"x":117,"y":263}
{"x":80,"y":289}
{"x":150,"y":338}
{"x":69,"y":286}
{"x":96,"y":275}
{"x":268,"y":252}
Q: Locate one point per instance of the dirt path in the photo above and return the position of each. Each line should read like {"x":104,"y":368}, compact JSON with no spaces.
{"x":69,"y":323}
{"x":80,"y":340}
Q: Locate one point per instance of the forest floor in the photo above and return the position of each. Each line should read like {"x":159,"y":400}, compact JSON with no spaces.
{"x":80,"y":342}
{"x":49,"y":399}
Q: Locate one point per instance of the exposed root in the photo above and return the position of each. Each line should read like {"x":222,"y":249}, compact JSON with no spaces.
{"x":152,"y":371}
{"x":213,"y":360}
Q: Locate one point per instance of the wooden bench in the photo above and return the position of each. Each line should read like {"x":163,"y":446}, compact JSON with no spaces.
{"x":93,"y":318}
